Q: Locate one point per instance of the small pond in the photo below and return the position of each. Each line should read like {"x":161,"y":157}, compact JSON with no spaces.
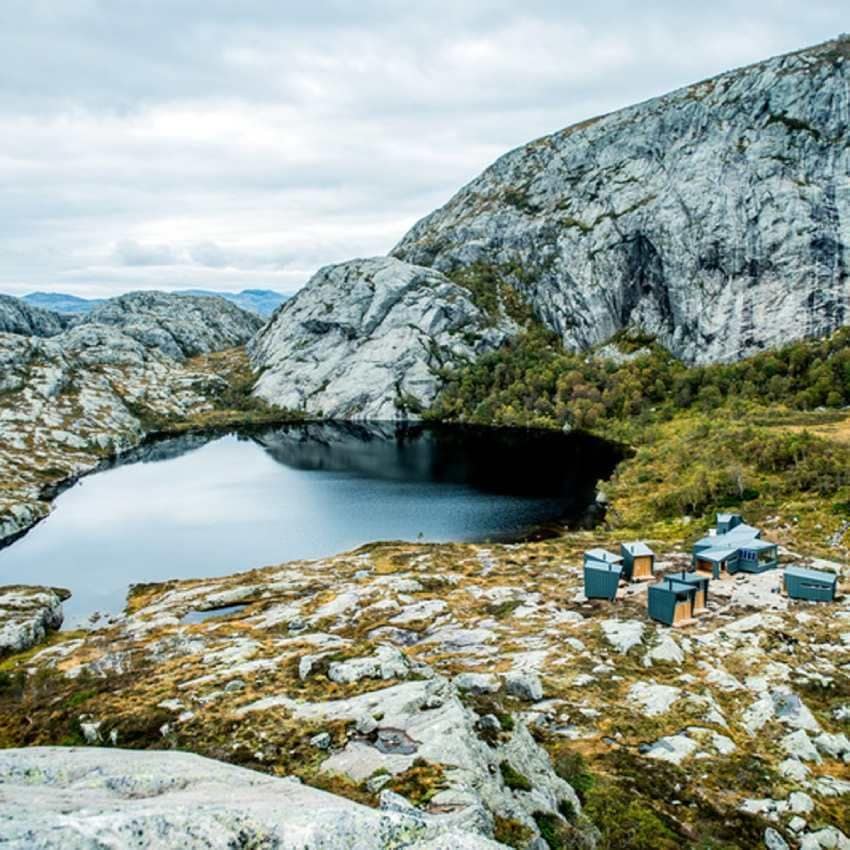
{"x":211,"y":505}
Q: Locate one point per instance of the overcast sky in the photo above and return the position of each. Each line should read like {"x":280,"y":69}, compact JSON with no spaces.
{"x":227,"y":144}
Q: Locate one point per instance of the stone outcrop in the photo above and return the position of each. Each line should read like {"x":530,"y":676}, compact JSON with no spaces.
{"x":28,"y":615}
{"x":365,"y":340}
{"x":18,"y":317}
{"x":82,"y":799}
{"x":73,"y":397}
{"x":715,"y":217}
{"x":178,"y":325}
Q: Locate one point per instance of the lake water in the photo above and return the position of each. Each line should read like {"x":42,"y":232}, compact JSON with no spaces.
{"x":207,"y":506}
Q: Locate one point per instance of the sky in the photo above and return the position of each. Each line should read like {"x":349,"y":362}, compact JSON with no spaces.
{"x":230,"y":144}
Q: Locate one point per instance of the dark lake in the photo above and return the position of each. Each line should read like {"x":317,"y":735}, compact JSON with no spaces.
{"x":206,"y":506}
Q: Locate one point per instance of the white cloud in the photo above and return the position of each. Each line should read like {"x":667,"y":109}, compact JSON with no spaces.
{"x":183,"y":143}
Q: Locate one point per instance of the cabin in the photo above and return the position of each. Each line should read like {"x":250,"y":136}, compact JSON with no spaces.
{"x":726,"y":522}
{"x":601,"y":556}
{"x":814,"y":585}
{"x":700,"y":582}
{"x":638,"y":561}
{"x":671,"y":601}
{"x":734,"y":547}
{"x":601,"y":580}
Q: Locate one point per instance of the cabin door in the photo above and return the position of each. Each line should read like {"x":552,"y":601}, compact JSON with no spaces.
{"x":642,"y":567}
{"x":682,"y":611}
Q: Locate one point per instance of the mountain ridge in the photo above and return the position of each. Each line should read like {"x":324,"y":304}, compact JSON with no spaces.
{"x":713,"y":218}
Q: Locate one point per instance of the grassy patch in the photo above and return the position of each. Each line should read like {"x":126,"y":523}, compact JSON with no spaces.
{"x":513,"y":779}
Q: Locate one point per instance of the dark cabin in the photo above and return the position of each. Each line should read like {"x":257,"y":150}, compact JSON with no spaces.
{"x":638,"y":561}
{"x":813,"y":585}
{"x":601,"y":581}
{"x":671,"y":601}
{"x":700,"y":582}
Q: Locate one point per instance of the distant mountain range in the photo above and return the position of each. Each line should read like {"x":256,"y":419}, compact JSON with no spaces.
{"x":263,"y":302}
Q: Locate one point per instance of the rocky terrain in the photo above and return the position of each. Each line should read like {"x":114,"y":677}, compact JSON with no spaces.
{"x":72,"y":398}
{"x":28,"y":615}
{"x":56,"y":796}
{"x":712,"y":218}
{"x":364,"y":340}
{"x":466,"y":679}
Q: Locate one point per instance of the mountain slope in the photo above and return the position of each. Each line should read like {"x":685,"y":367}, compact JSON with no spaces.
{"x":716,"y":217}
{"x":18,"y":317}
{"x":263,"y":302}
{"x":363,"y":340}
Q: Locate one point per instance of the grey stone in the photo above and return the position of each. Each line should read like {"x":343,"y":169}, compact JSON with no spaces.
{"x":27,"y":615}
{"x":365,"y":340}
{"x":477,"y":683}
{"x":525,"y":685}
{"x":58,"y":798}
{"x":675,"y":215}
{"x":322,"y":741}
{"x":773,"y":840}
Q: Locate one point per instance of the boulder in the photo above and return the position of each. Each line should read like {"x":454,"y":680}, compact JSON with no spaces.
{"x":28,"y":614}
{"x":366,"y":339}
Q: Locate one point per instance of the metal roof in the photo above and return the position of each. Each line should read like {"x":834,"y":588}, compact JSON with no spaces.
{"x":742,"y":530}
{"x":606,"y":567}
{"x":603,"y":555}
{"x":639,"y":548}
{"x":758,"y":545}
{"x":812,"y":575}
{"x":672,"y":585}
{"x":716,"y":555}
{"x":727,"y":517}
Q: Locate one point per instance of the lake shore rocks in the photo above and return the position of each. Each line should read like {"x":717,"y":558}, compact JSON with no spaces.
{"x":300,"y":677}
{"x":28,"y":615}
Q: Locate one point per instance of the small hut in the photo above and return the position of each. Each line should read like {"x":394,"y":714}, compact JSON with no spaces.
{"x":700,"y":582}
{"x":638,"y":561}
{"x":814,"y":585}
{"x":601,"y":556}
{"x":726,"y":522}
{"x":671,"y":601}
{"x":601,"y":581}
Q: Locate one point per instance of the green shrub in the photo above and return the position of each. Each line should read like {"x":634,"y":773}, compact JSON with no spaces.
{"x":514,"y":780}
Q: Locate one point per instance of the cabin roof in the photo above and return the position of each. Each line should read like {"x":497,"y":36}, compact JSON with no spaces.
{"x":603,"y":555}
{"x":638,"y":547}
{"x":672,"y":585}
{"x":742,"y":530}
{"x":606,"y":567}
{"x":727,"y":517}
{"x":812,"y":575}
{"x":717,"y":555}
{"x":758,"y":545}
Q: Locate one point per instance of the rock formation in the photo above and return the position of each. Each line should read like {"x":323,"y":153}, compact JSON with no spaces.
{"x":179,"y":325}
{"x":364,"y":339}
{"x":715,"y":217}
{"x":18,"y":317}
{"x":79,"y":799}
{"x":28,"y":615}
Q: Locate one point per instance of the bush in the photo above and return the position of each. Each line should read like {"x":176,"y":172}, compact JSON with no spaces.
{"x":514,"y":780}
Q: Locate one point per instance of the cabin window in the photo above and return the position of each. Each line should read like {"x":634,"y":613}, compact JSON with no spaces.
{"x":767,"y":556}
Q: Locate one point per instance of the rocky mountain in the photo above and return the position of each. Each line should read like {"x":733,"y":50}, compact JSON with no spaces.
{"x":714,"y":218}
{"x":18,"y":317}
{"x":61,"y":302}
{"x":180,"y":326}
{"x":362,"y":340}
{"x":263,"y":302}
{"x":73,"y":395}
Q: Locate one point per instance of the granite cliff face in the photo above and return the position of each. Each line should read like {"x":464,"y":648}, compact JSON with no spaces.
{"x":178,"y":325}
{"x":363,"y":340}
{"x":716,"y":217}
{"x":18,"y":317}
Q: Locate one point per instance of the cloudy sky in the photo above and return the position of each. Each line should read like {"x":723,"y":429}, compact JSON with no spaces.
{"x":227,"y":144}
